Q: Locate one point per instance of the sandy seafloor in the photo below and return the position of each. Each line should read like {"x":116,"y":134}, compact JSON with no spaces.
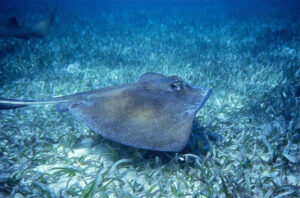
{"x":245,"y":142}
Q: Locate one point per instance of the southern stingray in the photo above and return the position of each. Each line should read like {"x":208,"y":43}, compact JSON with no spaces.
{"x":13,"y":29}
{"x":154,"y":113}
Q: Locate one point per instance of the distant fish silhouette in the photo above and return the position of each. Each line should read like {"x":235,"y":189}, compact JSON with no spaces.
{"x":12,"y":28}
{"x":154,"y":113}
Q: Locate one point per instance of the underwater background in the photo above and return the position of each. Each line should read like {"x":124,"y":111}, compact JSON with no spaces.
{"x":245,"y":143}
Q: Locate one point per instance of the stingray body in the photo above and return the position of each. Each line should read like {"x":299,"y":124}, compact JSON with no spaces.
{"x":154,"y":113}
{"x":12,"y":28}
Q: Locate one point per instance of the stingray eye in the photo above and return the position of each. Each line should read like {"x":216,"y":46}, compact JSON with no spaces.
{"x":177,"y":85}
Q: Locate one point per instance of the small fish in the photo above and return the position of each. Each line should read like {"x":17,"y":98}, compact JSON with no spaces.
{"x":155,"y":113}
{"x":12,"y":28}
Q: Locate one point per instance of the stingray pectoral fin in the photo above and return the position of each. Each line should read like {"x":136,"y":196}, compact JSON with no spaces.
{"x":150,"y":76}
{"x":63,"y":106}
{"x":42,"y":28}
{"x":12,"y":23}
{"x":143,"y":125}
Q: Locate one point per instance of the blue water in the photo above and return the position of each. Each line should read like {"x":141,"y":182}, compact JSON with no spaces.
{"x":190,"y":28}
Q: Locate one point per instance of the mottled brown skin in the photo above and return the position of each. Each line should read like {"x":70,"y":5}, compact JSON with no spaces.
{"x":150,"y":114}
{"x":154,"y":113}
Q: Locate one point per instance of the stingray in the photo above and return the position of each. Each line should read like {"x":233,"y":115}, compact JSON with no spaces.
{"x":13,"y":29}
{"x":155,"y":113}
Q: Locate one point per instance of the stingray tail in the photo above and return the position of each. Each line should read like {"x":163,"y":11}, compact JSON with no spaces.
{"x":10,"y":104}
{"x":16,"y":103}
